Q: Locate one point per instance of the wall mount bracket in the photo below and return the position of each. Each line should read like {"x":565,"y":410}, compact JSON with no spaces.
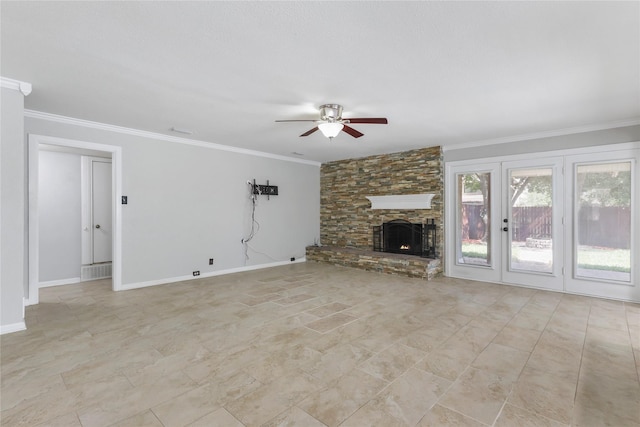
{"x":264,"y":190}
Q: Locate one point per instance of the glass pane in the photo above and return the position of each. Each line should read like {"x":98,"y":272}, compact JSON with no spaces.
{"x":531,"y":224}
{"x":474,"y":234}
{"x":604,"y":221}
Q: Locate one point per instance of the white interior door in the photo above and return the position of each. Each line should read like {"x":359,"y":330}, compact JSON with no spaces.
{"x":101,"y":211}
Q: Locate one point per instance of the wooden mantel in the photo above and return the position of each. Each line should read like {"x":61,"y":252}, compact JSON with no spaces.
{"x":405,"y":201}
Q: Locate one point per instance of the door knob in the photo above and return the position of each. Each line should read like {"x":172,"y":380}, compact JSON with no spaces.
{"x":97,"y":225}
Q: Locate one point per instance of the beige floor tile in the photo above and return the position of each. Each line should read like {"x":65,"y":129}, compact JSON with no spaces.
{"x":294,"y":299}
{"x":221,"y":365}
{"x":101,"y":389}
{"x":135,"y":400}
{"x":478,"y":394}
{"x":328,"y":323}
{"x":445,"y":417}
{"x":40,"y":409}
{"x":456,"y":354}
{"x":372,"y":414}
{"x":604,"y":399}
{"x":518,"y":338}
{"x":219,"y":418}
{"x":392,"y":362}
{"x":336,"y":362}
{"x":544,"y":393}
{"x":502,"y":361}
{"x":612,"y":361}
{"x":200,"y":401}
{"x":597,"y":337}
{"x":513,"y":416}
{"x":610,"y":319}
{"x":401,"y":401}
{"x":143,"y":419}
{"x":426,"y":340}
{"x":337,"y":403}
{"x":328,"y":309}
{"x":274,"y":366}
{"x":269,"y":400}
{"x":68,"y":420}
{"x":19,"y":388}
{"x":449,"y":361}
{"x":292,"y":418}
{"x":385,"y":350}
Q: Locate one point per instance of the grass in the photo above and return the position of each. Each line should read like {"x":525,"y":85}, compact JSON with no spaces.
{"x":604,"y":259}
{"x":589,"y":257}
{"x":474,"y":250}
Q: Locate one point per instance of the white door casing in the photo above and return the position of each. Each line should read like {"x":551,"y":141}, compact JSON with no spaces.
{"x":116,"y":208}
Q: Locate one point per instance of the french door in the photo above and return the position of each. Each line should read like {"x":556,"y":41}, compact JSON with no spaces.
{"x":532,"y":223}
{"x":508,"y":226}
{"x":565,"y":223}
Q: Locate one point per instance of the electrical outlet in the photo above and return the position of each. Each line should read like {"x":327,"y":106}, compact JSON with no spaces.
{"x":210,"y":261}
{"x":196,"y":273}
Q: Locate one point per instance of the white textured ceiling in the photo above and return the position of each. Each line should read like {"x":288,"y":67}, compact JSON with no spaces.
{"x":443,"y":73}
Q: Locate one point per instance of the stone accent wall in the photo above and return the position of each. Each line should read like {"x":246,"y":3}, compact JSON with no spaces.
{"x":346,"y":216}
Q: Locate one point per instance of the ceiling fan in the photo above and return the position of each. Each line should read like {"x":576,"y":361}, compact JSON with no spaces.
{"x":331,"y":122}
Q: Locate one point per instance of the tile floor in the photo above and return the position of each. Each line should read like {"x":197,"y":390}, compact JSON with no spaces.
{"x":317,"y":345}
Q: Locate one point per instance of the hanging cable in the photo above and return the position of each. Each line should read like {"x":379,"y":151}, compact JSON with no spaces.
{"x":255,"y":225}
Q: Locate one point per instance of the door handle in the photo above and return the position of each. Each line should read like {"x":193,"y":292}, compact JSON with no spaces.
{"x":97,"y":225}
{"x":505,"y":228}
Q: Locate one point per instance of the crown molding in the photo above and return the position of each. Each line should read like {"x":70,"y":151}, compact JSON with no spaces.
{"x":153,"y":135}
{"x":545,"y":134}
{"x":23,"y":87}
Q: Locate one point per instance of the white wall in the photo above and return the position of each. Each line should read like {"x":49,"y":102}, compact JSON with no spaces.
{"x":59,"y":216}
{"x":562,"y":142}
{"x":13,"y":277}
{"x":188,"y":203}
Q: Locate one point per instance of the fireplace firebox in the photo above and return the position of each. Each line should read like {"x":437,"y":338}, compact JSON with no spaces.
{"x":402,"y":237}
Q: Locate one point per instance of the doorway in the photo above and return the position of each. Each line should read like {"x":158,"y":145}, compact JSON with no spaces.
{"x":562,"y":223}
{"x":35,"y":142}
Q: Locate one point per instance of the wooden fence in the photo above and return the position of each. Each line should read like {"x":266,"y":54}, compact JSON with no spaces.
{"x":603,"y":227}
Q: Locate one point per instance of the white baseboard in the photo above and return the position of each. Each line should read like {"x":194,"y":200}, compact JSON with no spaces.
{"x":130,"y":286}
{"x":13,"y":327}
{"x":59,"y":282}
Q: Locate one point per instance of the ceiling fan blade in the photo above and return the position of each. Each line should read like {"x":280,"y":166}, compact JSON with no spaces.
{"x":280,"y":121}
{"x":371,"y":120}
{"x":351,"y":131}
{"x":310,"y":131}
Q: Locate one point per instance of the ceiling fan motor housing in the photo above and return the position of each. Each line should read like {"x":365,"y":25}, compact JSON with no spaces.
{"x":331,"y":112}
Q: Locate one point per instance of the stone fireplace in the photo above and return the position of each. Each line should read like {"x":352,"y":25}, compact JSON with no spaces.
{"x":358,"y":194}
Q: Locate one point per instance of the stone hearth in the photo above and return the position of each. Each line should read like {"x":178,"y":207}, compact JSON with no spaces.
{"x":382,"y":262}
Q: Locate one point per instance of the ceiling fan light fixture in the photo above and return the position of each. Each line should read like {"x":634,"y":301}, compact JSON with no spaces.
{"x":331,"y":129}
{"x":331,"y":112}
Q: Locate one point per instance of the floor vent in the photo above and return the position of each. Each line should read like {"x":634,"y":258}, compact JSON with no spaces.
{"x":95,"y":271}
